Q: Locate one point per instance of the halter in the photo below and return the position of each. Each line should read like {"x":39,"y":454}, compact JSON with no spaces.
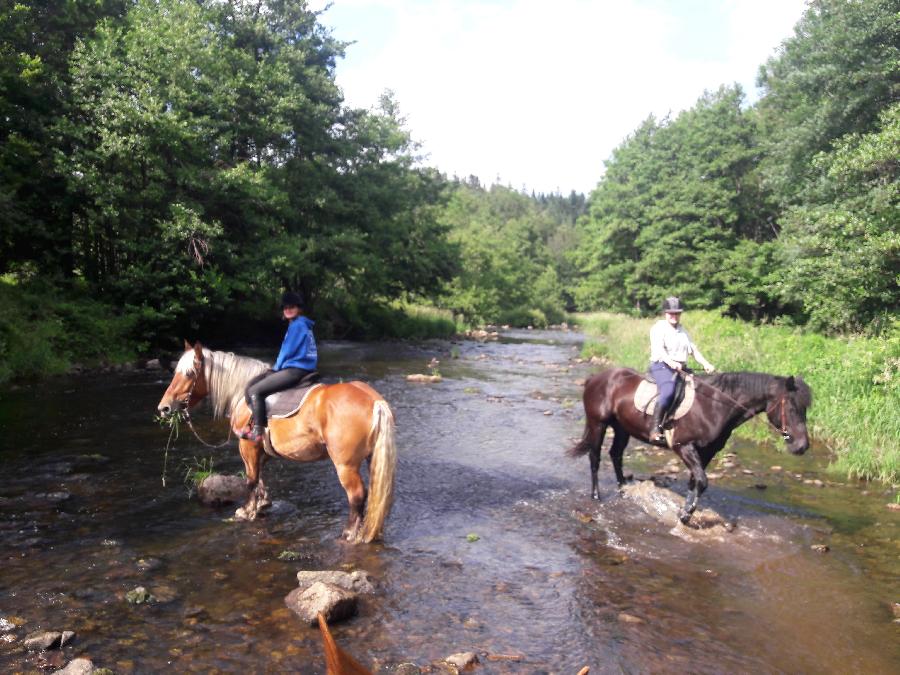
{"x":187,"y":414}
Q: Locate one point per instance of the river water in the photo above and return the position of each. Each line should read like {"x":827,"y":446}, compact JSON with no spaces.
{"x":550,"y":582}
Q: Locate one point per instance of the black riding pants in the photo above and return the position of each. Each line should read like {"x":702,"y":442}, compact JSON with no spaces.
{"x":268,"y":383}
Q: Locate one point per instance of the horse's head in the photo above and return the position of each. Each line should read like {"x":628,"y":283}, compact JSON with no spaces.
{"x":188,"y":385}
{"x":789,"y":398}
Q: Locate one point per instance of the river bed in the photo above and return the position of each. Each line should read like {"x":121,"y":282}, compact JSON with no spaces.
{"x":493,"y":545}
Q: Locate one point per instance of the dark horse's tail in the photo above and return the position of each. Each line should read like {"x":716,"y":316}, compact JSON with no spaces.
{"x":594,"y":416}
{"x":583,"y":446}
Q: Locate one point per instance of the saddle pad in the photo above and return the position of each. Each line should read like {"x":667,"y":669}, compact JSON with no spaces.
{"x":645,"y":398}
{"x":286,"y":403}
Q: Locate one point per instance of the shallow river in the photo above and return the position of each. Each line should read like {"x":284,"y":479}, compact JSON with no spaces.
{"x":553,"y":582}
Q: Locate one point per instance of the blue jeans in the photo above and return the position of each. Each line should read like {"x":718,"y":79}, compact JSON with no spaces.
{"x":665,"y":382}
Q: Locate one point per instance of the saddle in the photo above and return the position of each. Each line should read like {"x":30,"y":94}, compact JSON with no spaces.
{"x":288,"y":401}
{"x":646,"y":393}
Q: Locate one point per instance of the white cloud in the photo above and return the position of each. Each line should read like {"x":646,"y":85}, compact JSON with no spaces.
{"x":540,"y":93}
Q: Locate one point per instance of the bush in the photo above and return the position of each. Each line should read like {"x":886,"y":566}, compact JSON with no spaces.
{"x":44,"y":330}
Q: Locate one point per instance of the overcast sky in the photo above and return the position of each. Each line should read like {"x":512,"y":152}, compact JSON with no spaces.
{"x":538,"y":93}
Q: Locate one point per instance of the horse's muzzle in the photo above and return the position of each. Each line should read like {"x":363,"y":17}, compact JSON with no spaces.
{"x":167,"y":408}
{"x":798,"y":447}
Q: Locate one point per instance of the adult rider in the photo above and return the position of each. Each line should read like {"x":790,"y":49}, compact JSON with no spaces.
{"x":670,"y":346}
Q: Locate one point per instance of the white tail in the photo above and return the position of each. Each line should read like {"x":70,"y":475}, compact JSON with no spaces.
{"x":382,"y":467}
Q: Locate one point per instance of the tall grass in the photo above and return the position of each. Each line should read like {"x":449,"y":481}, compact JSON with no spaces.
{"x":855,"y":381}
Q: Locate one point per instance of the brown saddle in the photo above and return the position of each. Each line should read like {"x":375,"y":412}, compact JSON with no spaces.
{"x":287,"y":402}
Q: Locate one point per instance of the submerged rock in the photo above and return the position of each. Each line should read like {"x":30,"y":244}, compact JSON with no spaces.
{"x":333,"y":602}
{"x":463,"y":660}
{"x":79,"y":666}
{"x":139,"y":596}
{"x":419,"y":377}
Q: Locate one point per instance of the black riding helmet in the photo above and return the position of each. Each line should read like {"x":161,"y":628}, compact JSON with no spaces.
{"x":290,"y":298}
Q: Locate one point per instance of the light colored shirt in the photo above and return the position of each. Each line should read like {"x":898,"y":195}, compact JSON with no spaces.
{"x":670,"y":343}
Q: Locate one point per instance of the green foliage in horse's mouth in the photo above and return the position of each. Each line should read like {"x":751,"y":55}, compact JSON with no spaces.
{"x":172,"y":420}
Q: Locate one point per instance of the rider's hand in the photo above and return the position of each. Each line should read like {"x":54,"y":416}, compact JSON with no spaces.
{"x":709,"y":368}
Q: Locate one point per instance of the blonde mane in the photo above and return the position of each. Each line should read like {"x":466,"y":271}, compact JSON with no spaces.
{"x":226,"y":374}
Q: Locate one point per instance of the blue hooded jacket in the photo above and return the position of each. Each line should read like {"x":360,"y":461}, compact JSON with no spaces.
{"x":299,"y":347}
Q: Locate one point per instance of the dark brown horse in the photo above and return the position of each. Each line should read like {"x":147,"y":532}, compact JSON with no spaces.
{"x":722,"y":402}
{"x":347,"y":423}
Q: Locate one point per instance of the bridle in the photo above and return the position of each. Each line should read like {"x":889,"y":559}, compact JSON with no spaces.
{"x":187,"y":413}
{"x":783,"y":431}
{"x":781,"y":403}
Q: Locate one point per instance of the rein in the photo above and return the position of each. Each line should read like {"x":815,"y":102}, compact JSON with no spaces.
{"x":783,"y":430}
{"x":187,"y":415}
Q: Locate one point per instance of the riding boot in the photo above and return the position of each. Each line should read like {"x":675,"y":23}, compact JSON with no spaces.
{"x":258,"y":420}
{"x":657,"y":435}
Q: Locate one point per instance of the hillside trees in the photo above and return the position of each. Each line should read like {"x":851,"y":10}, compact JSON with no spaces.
{"x":512,"y":254}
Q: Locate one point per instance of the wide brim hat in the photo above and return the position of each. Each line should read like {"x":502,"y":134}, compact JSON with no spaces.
{"x":672,"y":305}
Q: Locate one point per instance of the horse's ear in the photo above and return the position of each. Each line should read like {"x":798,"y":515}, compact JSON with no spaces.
{"x":791,"y":385}
{"x":187,"y":346}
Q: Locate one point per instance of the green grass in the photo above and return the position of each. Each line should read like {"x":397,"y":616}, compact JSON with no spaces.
{"x":855,"y":380}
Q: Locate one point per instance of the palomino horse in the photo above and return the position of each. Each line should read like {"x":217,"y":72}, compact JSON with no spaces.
{"x":348,"y":423}
{"x":722,"y":402}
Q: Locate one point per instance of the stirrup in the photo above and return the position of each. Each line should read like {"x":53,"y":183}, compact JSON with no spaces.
{"x":658,"y":438}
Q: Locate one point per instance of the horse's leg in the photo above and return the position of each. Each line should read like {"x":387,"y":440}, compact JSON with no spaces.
{"x":356,"y":496}
{"x":257,"y":498}
{"x":616,"y":451}
{"x":697,"y":483}
{"x":595,"y":441}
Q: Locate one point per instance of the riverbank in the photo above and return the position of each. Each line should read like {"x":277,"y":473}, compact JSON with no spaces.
{"x":855,"y":381}
{"x":47,"y":331}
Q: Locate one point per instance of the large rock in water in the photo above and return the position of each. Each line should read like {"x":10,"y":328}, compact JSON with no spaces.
{"x":334,"y":602}
{"x":218,"y":489}
{"x":42,"y":640}
{"x":355,"y":582}
{"x":665,"y":505}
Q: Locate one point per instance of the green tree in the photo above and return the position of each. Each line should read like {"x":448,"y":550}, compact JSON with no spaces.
{"x":833,"y":77}
{"x":842,"y":246}
{"x":36,"y":40}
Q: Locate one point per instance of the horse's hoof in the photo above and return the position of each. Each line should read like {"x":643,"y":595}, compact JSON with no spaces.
{"x":684,"y":517}
{"x":244,"y":514}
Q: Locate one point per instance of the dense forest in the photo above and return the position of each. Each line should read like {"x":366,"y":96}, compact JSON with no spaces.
{"x":167,"y":168}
